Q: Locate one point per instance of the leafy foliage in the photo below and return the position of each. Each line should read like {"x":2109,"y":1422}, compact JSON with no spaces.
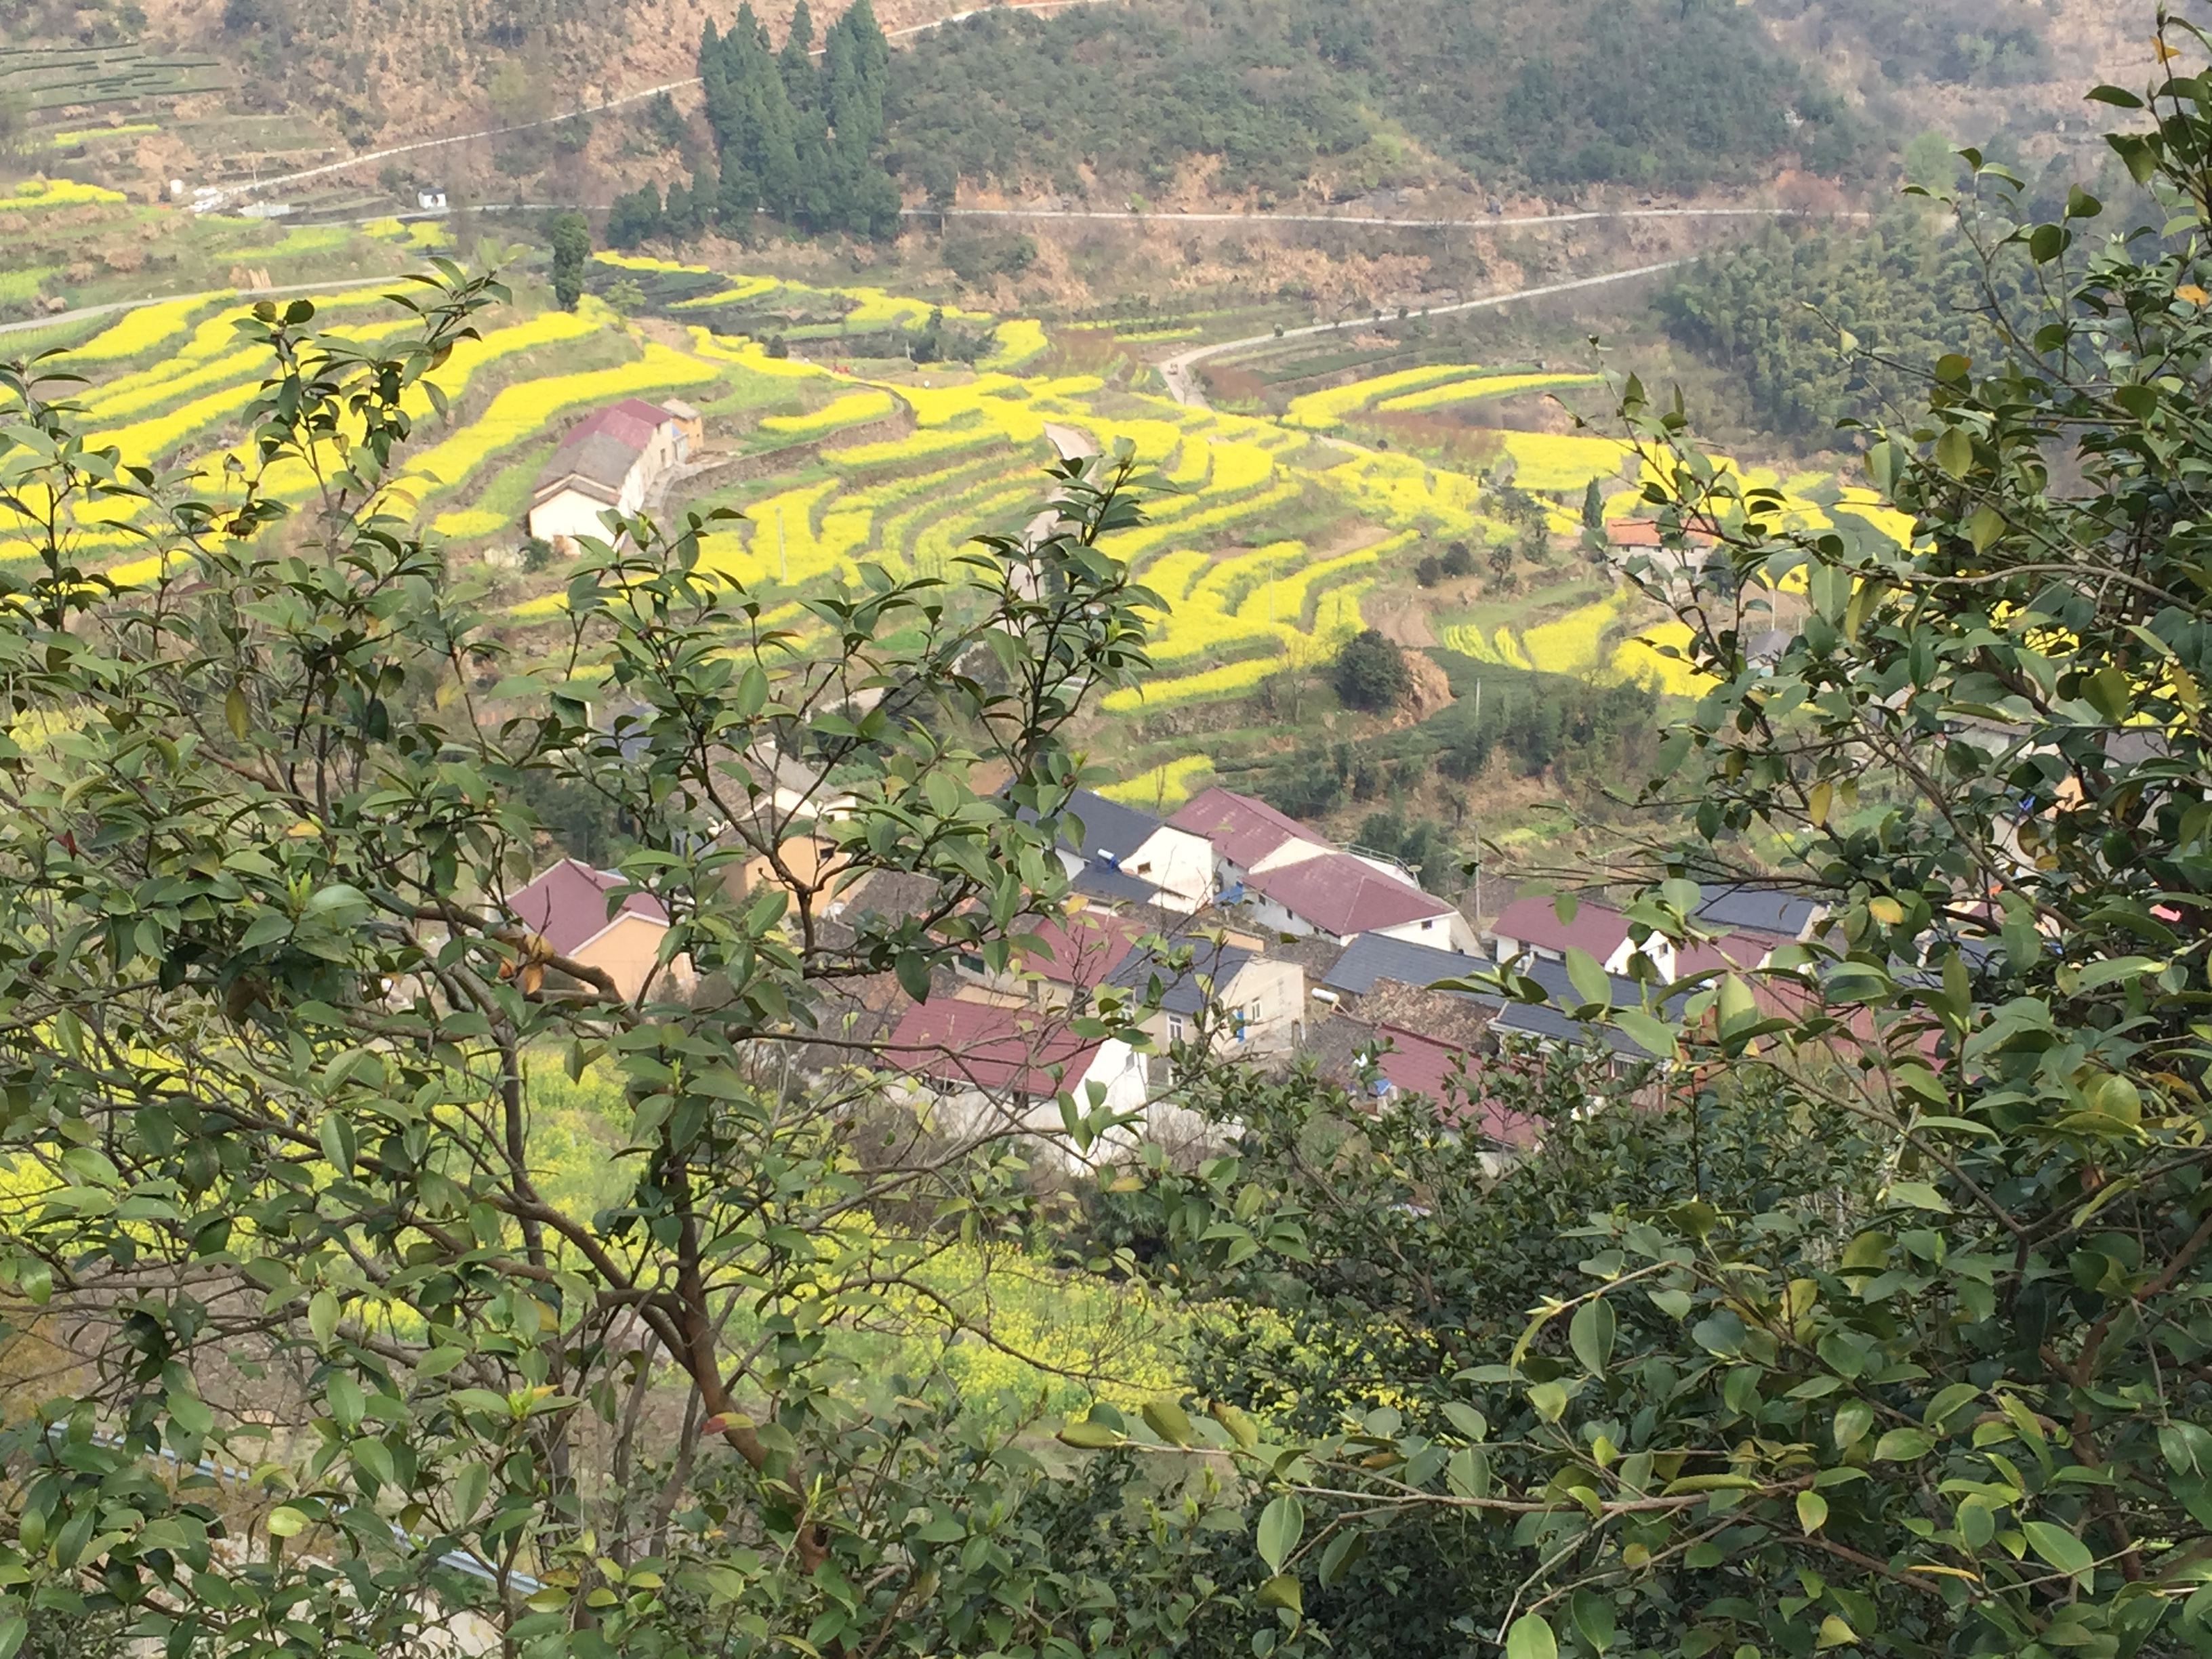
{"x":1938,"y":1385}
{"x":1370,"y":672}
{"x":271,"y":1027}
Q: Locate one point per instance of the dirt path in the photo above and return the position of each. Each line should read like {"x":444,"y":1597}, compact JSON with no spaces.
{"x":1183,"y":386}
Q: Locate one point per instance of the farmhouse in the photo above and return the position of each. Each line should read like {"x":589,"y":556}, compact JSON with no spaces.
{"x":569,"y":907}
{"x":1341,"y":897}
{"x":987,"y":1069}
{"x":609,"y":461}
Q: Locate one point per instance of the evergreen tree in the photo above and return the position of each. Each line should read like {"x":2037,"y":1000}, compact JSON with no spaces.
{"x":795,"y":64}
{"x":680,"y":219}
{"x":806,"y":144}
{"x":635,"y":217}
{"x":572,"y":247}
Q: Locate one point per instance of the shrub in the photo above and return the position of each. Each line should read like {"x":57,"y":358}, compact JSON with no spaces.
{"x":1371,"y":673}
{"x":1430,"y":571}
{"x":1459,"y":560}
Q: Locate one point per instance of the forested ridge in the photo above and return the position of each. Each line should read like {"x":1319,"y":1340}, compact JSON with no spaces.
{"x":1525,"y":96}
{"x":1527,"y":91}
{"x":1773,"y":315}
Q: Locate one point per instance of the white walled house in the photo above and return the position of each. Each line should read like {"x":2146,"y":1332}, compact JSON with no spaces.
{"x":983,"y":1068}
{"x":1530,"y":929}
{"x":1246,"y":836}
{"x":608,"y":461}
{"x":1254,"y":1005}
{"x":1341,"y":898}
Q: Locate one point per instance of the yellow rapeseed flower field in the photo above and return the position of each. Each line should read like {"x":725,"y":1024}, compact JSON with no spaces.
{"x":1483,"y":386}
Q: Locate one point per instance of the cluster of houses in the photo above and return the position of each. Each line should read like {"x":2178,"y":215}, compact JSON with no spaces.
{"x":1296,"y":947}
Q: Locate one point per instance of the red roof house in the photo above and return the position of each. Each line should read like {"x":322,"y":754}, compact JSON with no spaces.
{"x":1247,"y":834}
{"x":1343,"y":897}
{"x":569,"y":906}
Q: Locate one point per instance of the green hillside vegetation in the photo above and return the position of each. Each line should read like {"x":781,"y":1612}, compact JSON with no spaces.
{"x":1655,"y":94}
{"x":1769,"y":314}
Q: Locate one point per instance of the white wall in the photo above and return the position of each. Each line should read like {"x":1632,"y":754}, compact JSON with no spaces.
{"x":1179,"y":865}
{"x":570,"y":513}
{"x":1445,"y":931}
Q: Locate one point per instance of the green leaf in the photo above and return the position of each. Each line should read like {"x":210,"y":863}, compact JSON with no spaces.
{"x":1343,"y":1552}
{"x":1590,"y":1334}
{"x":1954,"y":452}
{"x":1281,"y":1525}
{"x":2062,"y":1549}
{"x":1590,"y":979}
{"x":1652,"y":1035}
{"x":1281,"y":1591}
{"x":234,"y":712}
{"x":2186,"y":1447}
{"x":1467,"y":1420}
{"x":323,"y":1316}
{"x":1592,"y":1614}
{"x":1089,"y":1435}
{"x":1168,"y":1420}
{"x":1812,"y":1511}
{"x":1531,"y":1637}
{"x":1902,"y":1445}
{"x":1854,"y":1418}
{"x":12,"y":1629}
{"x":1919,"y":1195}
{"x":2109,"y":693}
{"x":1550,"y":1401}
{"x":285,"y":1522}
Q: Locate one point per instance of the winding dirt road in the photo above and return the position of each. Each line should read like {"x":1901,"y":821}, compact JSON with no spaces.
{"x":1183,"y":388}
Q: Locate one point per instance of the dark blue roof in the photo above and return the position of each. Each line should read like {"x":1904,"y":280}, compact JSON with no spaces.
{"x":1097,"y":881}
{"x":1371,"y":957}
{"x":1215,"y":964}
{"x":1755,"y":909}
{"x":1108,"y":827}
{"x":1550,"y":1020}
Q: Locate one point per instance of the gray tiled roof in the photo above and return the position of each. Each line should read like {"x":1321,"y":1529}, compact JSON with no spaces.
{"x":1372,"y":956}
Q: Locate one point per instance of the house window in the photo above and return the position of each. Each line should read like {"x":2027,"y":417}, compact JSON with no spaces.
{"x":1429,"y":923}
{"x":971,"y":962}
{"x":1175,"y":1028}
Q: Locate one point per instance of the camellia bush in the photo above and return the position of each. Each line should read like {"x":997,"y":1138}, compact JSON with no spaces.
{"x":300,"y":1354}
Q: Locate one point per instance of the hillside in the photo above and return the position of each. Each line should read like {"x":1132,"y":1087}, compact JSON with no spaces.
{"x":1224,"y":100}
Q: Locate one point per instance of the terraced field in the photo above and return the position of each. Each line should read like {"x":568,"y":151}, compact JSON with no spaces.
{"x":1267,"y":538}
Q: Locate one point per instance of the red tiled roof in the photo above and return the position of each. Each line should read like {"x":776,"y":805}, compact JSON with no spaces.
{"x":1344,"y":895}
{"x":634,"y":431}
{"x":1421,"y":1066}
{"x":1596,"y":928}
{"x":1243,"y":830}
{"x":1733,"y":951}
{"x":978,"y":1045}
{"x":567,"y":905}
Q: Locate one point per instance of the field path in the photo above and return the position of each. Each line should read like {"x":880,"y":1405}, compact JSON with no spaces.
{"x":1183,"y":388}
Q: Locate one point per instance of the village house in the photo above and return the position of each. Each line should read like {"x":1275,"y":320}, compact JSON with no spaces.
{"x":1251,"y":1003}
{"x":1064,"y":962}
{"x":1246,"y":836}
{"x":1122,"y":854}
{"x":1341,"y":897}
{"x":985,"y":1068}
{"x":570,"y":907}
{"x":609,"y":462}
